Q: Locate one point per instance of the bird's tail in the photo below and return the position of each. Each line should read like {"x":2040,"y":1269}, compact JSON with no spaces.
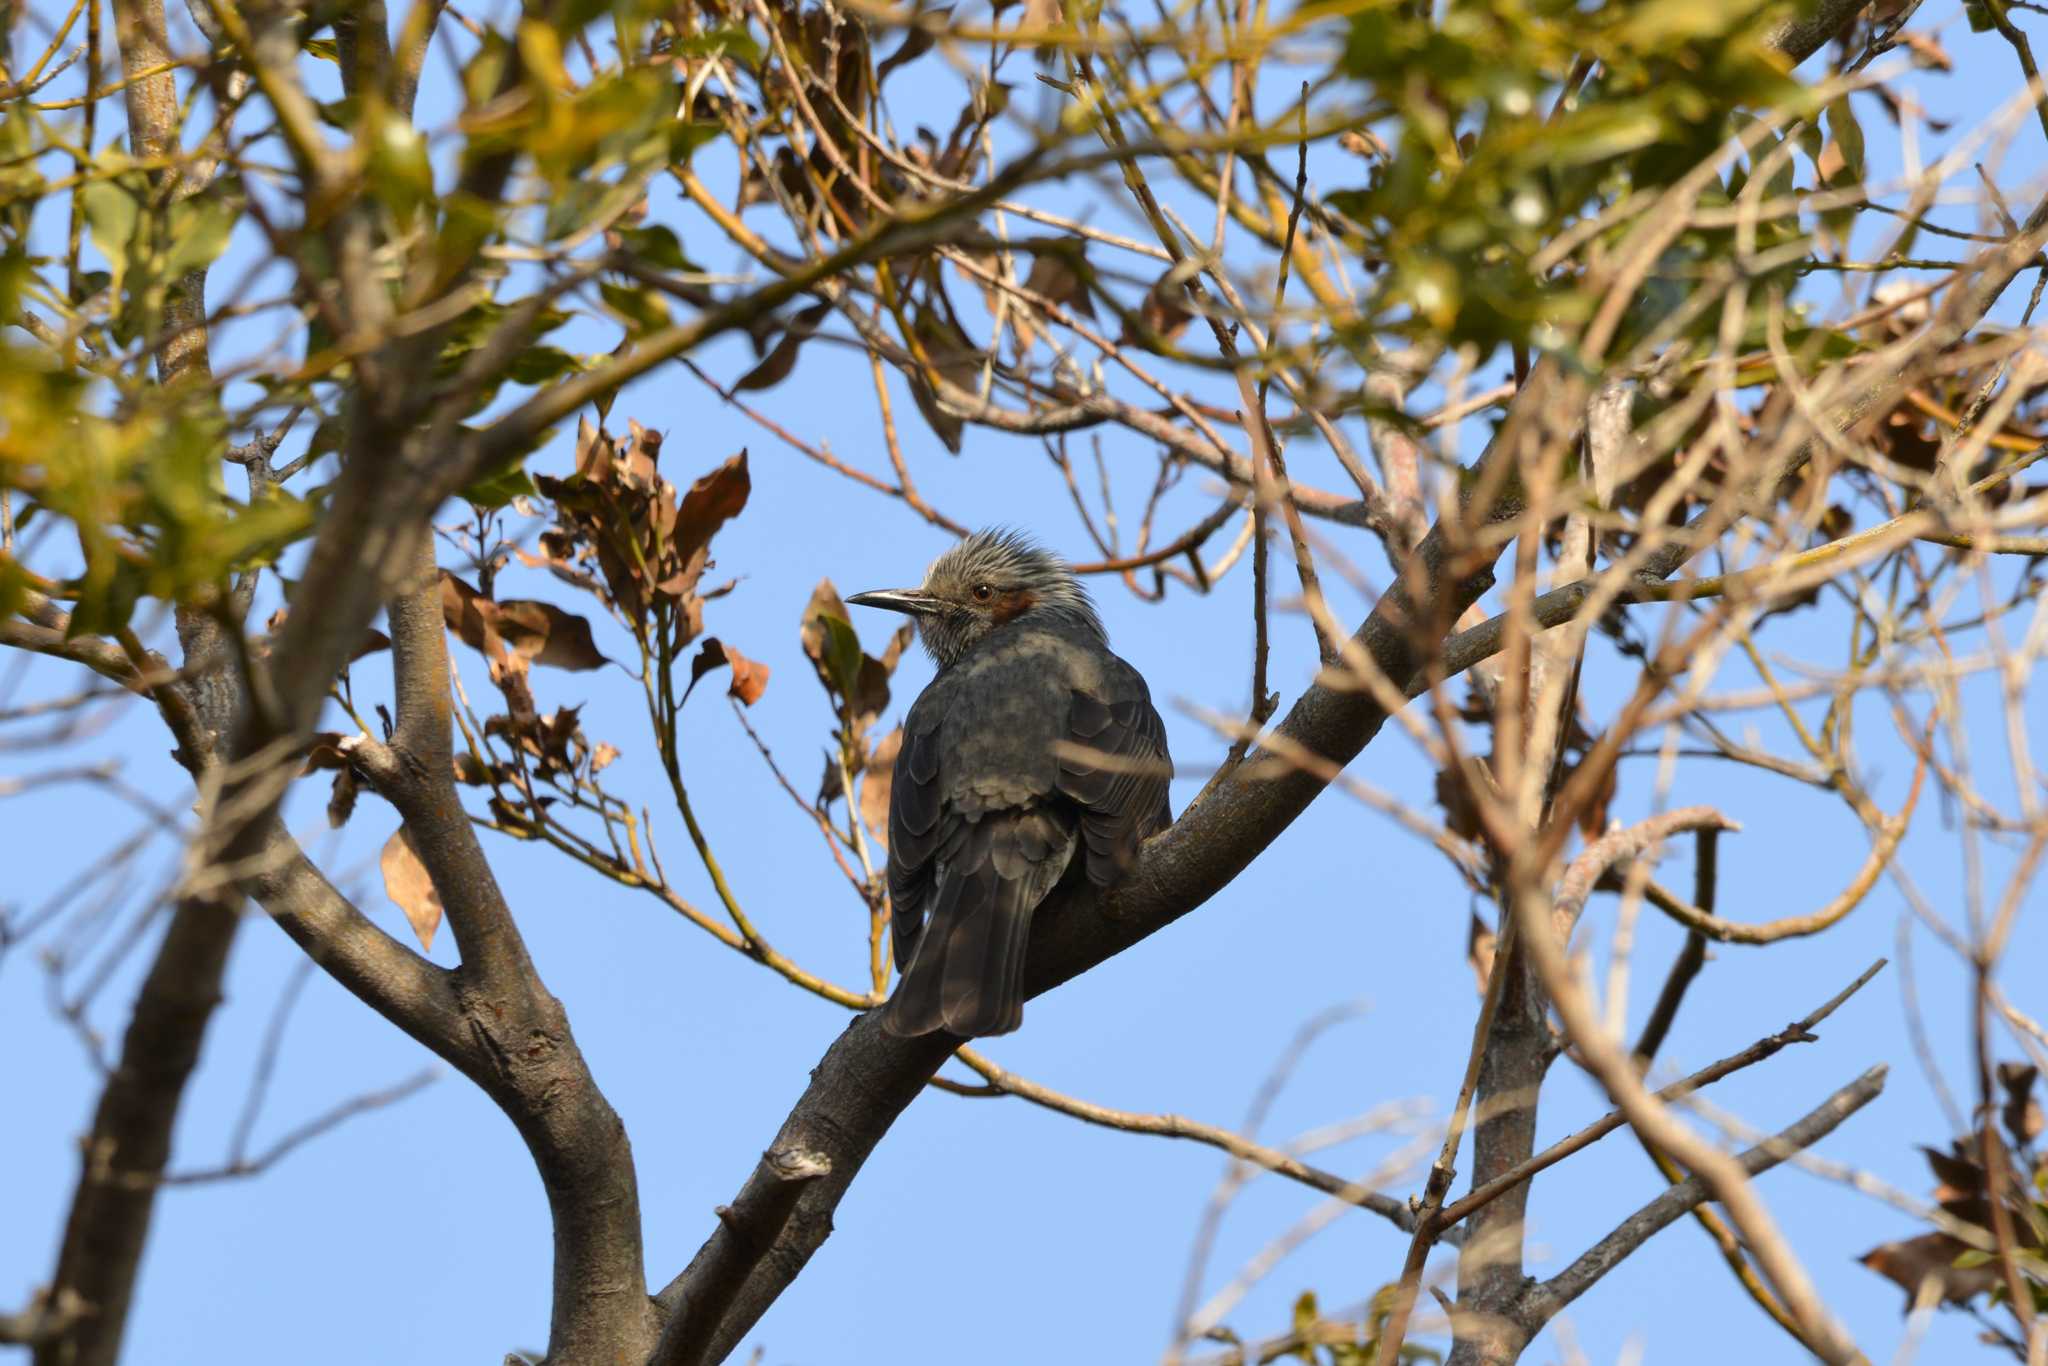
{"x":967,"y":976}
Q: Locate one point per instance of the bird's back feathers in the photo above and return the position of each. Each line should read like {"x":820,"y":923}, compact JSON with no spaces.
{"x":1036,"y":744}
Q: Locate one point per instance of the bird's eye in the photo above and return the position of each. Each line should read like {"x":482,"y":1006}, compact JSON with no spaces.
{"x":982,"y":592}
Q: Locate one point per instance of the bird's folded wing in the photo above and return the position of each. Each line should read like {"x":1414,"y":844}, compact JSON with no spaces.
{"x":1114,"y":765}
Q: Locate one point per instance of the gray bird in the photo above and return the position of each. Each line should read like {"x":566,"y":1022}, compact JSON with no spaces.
{"x":1034,"y":755}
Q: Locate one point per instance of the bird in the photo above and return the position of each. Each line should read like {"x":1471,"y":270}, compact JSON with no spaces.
{"x":1033,"y":757}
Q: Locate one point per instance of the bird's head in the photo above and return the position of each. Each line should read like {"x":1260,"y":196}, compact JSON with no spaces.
{"x":987,"y":581}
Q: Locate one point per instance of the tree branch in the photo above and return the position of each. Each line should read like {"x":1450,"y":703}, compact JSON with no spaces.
{"x":512,"y":1036}
{"x":1543,"y":1302}
{"x":720,"y":1268}
{"x":130,"y":1141}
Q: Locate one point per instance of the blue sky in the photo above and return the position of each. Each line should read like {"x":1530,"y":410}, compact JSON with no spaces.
{"x":983,"y":1230}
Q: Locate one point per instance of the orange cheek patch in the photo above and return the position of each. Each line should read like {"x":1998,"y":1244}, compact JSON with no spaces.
{"x":1011,"y":605}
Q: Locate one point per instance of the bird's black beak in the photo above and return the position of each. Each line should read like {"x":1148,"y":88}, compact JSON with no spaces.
{"x":911,"y":601}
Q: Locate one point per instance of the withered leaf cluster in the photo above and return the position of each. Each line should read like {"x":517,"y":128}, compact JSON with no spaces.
{"x":858,"y":685}
{"x":649,"y":546}
{"x":1962,"y":1270}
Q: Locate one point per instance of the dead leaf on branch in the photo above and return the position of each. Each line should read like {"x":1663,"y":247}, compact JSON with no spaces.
{"x":2021,"y":1112}
{"x":1481,"y":943}
{"x":555,"y":742}
{"x":1160,"y":318}
{"x":406,"y":883}
{"x":650,"y":546}
{"x":915,"y":43}
{"x":1059,"y":277}
{"x":538,"y":632}
{"x":857,"y":682}
{"x":1912,"y":1261}
{"x":878,"y":777}
{"x":341,"y":801}
{"x":749,"y":676}
{"x":780,"y":361}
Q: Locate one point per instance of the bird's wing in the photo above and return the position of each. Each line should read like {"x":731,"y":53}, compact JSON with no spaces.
{"x":1116,"y":768}
{"x":966,"y":973}
{"x":916,"y":831}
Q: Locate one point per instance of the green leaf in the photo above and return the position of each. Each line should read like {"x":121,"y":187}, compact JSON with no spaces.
{"x":539,"y":364}
{"x":395,"y":158}
{"x":1848,"y":135}
{"x":656,"y":246}
{"x":639,"y":305}
{"x":571,"y":207}
{"x":842,"y":654}
{"x":685,"y":136}
{"x":494,"y":491}
{"x":731,"y":41}
{"x":1306,"y":1317}
{"x":199,"y":229}
{"x":112,"y":212}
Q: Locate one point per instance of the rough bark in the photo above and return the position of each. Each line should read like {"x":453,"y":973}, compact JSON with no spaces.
{"x":130,"y":1141}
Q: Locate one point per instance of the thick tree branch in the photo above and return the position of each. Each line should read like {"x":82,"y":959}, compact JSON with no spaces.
{"x":722,"y":1266}
{"x":130,"y":1142}
{"x":512,"y":1037}
{"x":866,"y":1078}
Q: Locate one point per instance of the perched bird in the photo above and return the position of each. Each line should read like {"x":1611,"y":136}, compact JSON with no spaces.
{"x":1034,"y":755}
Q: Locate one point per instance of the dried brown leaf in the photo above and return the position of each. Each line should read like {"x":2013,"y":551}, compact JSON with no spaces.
{"x":545,"y":634}
{"x":1911,"y":1262}
{"x":2021,"y":1112}
{"x":877,"y":780}
{"x":1480,"y":944}
{"x":643,"y":457}
{"x":530,"y":630}
{"x":406,"y":883}
{"x":341,"y":802}
{"x":471,"y":616}
{"x":946,"y":426}
{"x":915,"y":44}
{"x":776,"y":366}
{"x":1161,"y":317}
{"x":325,"y":753}
{"x":1928,"y":49}
{"x":749,"y":677}
{"x":1060,"y":276}
{"x":711,"y":502}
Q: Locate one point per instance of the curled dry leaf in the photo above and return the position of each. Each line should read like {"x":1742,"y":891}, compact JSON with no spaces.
{"x":877,"y":778}
{"x":341,"y":802}
{"x":1058,"y":277}
{"x":537,"y":632}
{"x":650,"y":547}
{"x":406,"y":882}
{"x":776,"y":366}
{"x":749,"y":676}
{"x":1481,"y":943}
{"x":326,"y":752}
{"x":1160,"y":318}
{"x":1913,"y":1261}
{"x":857,"y":682}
